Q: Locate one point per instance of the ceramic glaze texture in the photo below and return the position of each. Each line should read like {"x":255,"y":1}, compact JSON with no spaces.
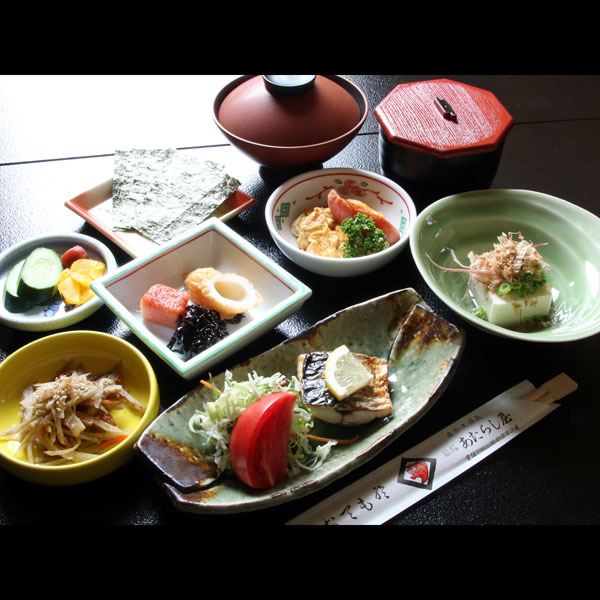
{"x":54,"y":314}
{"x":474,"y":220}
{"x":95,"y":206}
{"x":423,"y":351}
{"x":305,"y":191}
{"x":97,"y":353}
{"x":212,"y":244}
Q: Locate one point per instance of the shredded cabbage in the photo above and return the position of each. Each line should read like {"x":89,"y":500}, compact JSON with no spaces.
{"x":216,"y":421}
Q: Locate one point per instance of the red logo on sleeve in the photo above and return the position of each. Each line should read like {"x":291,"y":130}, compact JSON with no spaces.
{"x":417,"y":472}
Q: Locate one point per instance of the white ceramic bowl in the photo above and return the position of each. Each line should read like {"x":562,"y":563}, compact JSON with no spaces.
{"x":310,"y":189}
{"x":54,"y":315}
{"x":212,"y":244}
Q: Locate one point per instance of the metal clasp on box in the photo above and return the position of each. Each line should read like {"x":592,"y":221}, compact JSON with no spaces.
{"x":445,"y":109}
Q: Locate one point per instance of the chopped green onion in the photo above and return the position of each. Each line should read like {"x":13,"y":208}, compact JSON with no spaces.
{"x":504,"y":289}
{"x":480,"y":313}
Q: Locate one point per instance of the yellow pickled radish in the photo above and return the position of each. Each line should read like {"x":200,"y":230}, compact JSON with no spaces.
{"x":86,"y":270}
{"x":86,"y":295}
{"x":74,"y":283}
{"x":64,"y":275}
{"x":70,"y":290}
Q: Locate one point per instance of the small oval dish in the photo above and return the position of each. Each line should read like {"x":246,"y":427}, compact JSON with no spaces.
{"x":96,"y":352}
{"x":53,"y":314}
{"x":310,"y":189}
{"x":473,"y":221}
{"x":422,"y":349}
{"x":211,"y":245}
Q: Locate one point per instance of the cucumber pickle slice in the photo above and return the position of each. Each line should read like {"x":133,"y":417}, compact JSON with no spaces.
{"x":12,"y":302}
{"x":39,"y":275}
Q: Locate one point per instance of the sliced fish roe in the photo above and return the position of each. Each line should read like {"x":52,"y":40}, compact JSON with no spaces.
{"x":164,"y":305}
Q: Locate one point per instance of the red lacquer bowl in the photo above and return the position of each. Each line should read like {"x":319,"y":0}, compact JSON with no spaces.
{"x":288,"y":126}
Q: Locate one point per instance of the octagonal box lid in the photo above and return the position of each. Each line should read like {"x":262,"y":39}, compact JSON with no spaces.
{"x":443,"y":118}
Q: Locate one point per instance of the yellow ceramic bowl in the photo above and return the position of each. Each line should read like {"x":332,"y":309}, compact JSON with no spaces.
{"x":97,"y":352}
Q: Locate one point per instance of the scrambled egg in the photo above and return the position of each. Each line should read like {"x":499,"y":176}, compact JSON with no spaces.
{"x":318,"y":232}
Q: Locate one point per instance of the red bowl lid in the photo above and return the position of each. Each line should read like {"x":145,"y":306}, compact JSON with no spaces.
{"x":277,"y":110}
{"x":443,"y":118}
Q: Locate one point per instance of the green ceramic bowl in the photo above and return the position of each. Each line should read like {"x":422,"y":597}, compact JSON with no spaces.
{"x":473,"y":221}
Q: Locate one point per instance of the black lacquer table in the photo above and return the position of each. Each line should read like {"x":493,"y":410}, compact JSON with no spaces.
{"x":58,"y":135}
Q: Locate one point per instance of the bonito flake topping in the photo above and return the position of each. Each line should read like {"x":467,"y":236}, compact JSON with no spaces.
{"x":511,"y":260}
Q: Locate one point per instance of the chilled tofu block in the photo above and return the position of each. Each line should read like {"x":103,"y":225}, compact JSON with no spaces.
{"x":512,"y":310}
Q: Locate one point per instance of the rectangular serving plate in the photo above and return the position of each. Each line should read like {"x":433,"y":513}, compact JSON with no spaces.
{"x":211,"y":244}
{"x":94,"y":206}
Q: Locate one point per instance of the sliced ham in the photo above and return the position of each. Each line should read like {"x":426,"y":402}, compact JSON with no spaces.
{"x":346,"y":208}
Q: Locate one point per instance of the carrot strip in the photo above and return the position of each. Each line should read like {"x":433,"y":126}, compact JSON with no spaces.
{"x":111,"y":403}
{"x":210,"y":386}
{"x":115,"y":440}
{"x":324,"y":439}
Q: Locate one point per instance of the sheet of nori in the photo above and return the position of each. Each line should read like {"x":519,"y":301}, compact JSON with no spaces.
{"x":163,"y":193}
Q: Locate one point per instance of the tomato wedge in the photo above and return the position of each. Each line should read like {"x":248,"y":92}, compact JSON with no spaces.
{"x":258,"y":445}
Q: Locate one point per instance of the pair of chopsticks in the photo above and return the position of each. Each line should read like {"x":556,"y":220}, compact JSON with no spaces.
{"x":554,"y":389}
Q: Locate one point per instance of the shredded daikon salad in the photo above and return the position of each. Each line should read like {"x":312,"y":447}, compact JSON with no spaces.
{"x":69,"y":419}
{"x":216,"y":421}
{"x":512,"y":265}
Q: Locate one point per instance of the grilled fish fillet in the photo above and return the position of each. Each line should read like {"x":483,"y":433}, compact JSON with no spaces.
{"x":371,"y":402}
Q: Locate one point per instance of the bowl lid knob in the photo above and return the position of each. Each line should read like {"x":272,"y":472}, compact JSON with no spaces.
{"x":444,"y":107}
{"x":288,"y":85}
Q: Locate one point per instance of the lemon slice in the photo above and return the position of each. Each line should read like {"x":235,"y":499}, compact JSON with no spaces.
{"x":344,"y":373}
